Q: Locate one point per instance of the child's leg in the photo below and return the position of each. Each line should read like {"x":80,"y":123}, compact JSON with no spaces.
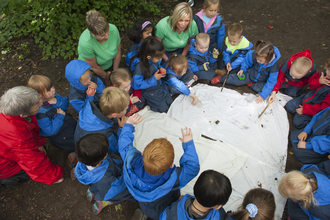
{"x":206,"y":74}
{"x":234,"y":80}
{"x":292,"y":91}
{"x":17,"y":179}
{"x":295,"y":212}
{"x":158,"y":98}
{"x":258,"y":86}
{"x":293,"y":104}
{"x":300,"y":121}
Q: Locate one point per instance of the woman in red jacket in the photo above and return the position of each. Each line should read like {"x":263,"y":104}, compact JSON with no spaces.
{"x":22,"y":155}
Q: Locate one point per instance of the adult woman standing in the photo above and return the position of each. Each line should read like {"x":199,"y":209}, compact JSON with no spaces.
{"x":22,"y":155}
{"x":176,"y":31}
{"x":99,"y":45}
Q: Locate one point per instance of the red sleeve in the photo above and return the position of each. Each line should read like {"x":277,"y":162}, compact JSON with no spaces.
{"x":280,"y":80}
{"x":300,"y":83}
{"x":309,"y":109}
{"x":314,"y":81}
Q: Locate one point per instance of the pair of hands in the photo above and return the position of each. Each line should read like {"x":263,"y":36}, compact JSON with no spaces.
{"x":91,"y":89}
{"x":160,"y":73}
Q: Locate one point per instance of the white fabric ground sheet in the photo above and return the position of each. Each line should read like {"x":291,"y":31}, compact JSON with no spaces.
{"x":250,"y":151}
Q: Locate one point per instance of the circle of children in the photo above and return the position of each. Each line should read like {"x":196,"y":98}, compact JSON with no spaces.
{"x":165,"y":60}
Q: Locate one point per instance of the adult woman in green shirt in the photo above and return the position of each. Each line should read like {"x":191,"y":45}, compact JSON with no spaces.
{"x":176,"y":31}
{"x":99,"y":45}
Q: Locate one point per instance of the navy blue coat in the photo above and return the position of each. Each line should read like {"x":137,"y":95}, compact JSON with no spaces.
{"x":172,"y":79}
{"x":131,"y":53}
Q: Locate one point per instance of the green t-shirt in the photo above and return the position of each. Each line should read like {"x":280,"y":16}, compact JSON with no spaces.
{"x":171,"y":39}
{"x":89,"y":47}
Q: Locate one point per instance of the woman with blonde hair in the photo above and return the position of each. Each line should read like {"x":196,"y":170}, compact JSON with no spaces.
{"x":308,"y":193}
{"x":176,"y":31}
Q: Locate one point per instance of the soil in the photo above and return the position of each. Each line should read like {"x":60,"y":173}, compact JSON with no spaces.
{"x":292,"y":26}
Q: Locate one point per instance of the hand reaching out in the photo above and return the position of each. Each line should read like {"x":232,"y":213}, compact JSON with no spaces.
{"x":324,"y":80}
{"x":186,"y":135}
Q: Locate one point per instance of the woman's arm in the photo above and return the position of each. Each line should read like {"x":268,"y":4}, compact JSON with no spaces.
{"x":116,"y":60}
{"x":95,"y":67}
{"x":186,"y":48}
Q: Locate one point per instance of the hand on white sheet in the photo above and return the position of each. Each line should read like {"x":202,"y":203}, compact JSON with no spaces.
{"x":302,"y":144}
{"x":186,"y":135}
{"x":302,"y":136}
{"x":122,"y":121}
{"x":272,"y":96}
{"x":134,"y":119}
{"x":195,"y":99}
{"x":299,"y":110}
{"x":259,"y":99}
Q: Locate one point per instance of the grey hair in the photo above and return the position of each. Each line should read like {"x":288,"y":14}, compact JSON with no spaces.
{"x":18,"y":101}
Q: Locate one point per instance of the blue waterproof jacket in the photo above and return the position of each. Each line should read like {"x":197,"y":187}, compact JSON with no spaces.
{"x":106,"y":180}
{"x":77,"y":93}
{"x":197,"y":59}
{"x":262,"y":73}
{"x":173,"y":79}
{"x":159,"y":198}
{"x":177,"y":211}
{"x":216,"y":31}
{"x":131,"y":53}
{"x":235,"y":59}
{"x":91,"y":120}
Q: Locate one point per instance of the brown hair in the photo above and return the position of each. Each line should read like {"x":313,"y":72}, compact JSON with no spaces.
{"x":265,"y":202}
{"x":158,"y":156}
{"x":235,"y":30}
{"x":297,"y":185}
{"x":302,"y":65}
{"x":327,"y":64}
{"x":96,"y":22}
{"x":178,"y":63}
{"x":202,"y":37}
{"x":181,"y":10}
{"x":113,"y":100}
{"x":41,"y":84}
{"x":264,"y":49}
{"x":208,"y":3}
{"x":116,"y":77}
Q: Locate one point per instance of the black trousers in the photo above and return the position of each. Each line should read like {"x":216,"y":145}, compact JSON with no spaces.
{"x":14,"y":180}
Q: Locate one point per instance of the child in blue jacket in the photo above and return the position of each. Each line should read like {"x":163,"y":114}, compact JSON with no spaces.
{"x":201,"y":61}
{"x":102,"y":171}
{"x":308,"y":193}
{"x":212,"y":190}
{"x":152,"y":178}
{"x":311,"y":145}
{"x":52,"y":118}
{"x":103,"y":116}
{"x":261,"y":70}
{"x":140,"y":30}
{"x":178,"y":76}
{"x":83,"y":87}
{"x":208,"y":21}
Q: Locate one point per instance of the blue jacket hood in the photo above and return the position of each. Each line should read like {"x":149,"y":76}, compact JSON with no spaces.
{"x":276,"y":58}
{"x":73,"y":72}
{"x":86,"y":176}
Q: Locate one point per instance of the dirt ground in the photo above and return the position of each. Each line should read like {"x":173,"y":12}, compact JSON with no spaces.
{"x":292,"y":26}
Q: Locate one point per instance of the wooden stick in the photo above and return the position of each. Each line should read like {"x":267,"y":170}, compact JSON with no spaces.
{"x":265,"y":108}
{"x":225,"y":81}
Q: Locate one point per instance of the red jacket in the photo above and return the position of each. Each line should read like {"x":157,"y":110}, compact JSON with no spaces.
{"x":19,"y":142}
{"x":284,"y":72}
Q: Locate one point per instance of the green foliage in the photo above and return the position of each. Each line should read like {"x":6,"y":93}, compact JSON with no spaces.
{"x":56,"y":25}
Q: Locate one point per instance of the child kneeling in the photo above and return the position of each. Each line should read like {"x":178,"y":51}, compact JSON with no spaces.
{"x":102,"y":171}
{"x":212,"y":190}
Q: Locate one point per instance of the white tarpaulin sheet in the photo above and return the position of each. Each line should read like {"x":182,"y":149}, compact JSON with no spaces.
{"x":250,"y":151}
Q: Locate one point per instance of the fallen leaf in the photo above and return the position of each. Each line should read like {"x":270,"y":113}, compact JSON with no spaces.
{"x":118,"y":207}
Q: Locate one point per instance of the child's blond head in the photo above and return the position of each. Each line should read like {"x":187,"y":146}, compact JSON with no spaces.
{"x":116,"y":77}
{"x":302,"y":65}
{"x":181,"y":11}
{"x":41,"y":84}
{"x":158,"y":156}
{"x":113,"y":100}
{"x":298,"y":186}
{"x":178,"y":63}
{"x":202,"y":38}
{"x":235,"y":30}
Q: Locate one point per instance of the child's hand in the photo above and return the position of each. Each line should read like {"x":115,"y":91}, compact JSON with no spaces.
{"x":206,"y":66}
{"x":259,"y":99}
{"x":240,"y":73}
{"x":302,"y":136}
{"x":215,"y":53}
{"x":162,"y":70}
{"x":92,"y":85}
{"x":195,"y":99}
{"x":159,"y":75}
{"x":42,"y":148}
{"x":122,"y":121}
{"x":286,"y":80}
{"x":229,"y":67}
{"x":90,"y":91}
{"x":195,"y":77}
{"x":134,"y":119}
{"x":60,"y":111}
{"x":299,"y":110}
{"x":134,"y":99}
{"x":272,"y":96}
{"x":52,"y":101}
{"x":302,"y":144}
{"x":324,"y":80}
{"x":186,"y":136}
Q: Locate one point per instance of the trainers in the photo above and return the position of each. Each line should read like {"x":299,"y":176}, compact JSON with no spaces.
{"x":132,"y":110}
{"x":216,"y":80}
{"x":138,"y":215}
{"x":71,"y":162}
{"x":99,"y":205}
{"x":220,"y":72}
{"x":90,"y":195}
